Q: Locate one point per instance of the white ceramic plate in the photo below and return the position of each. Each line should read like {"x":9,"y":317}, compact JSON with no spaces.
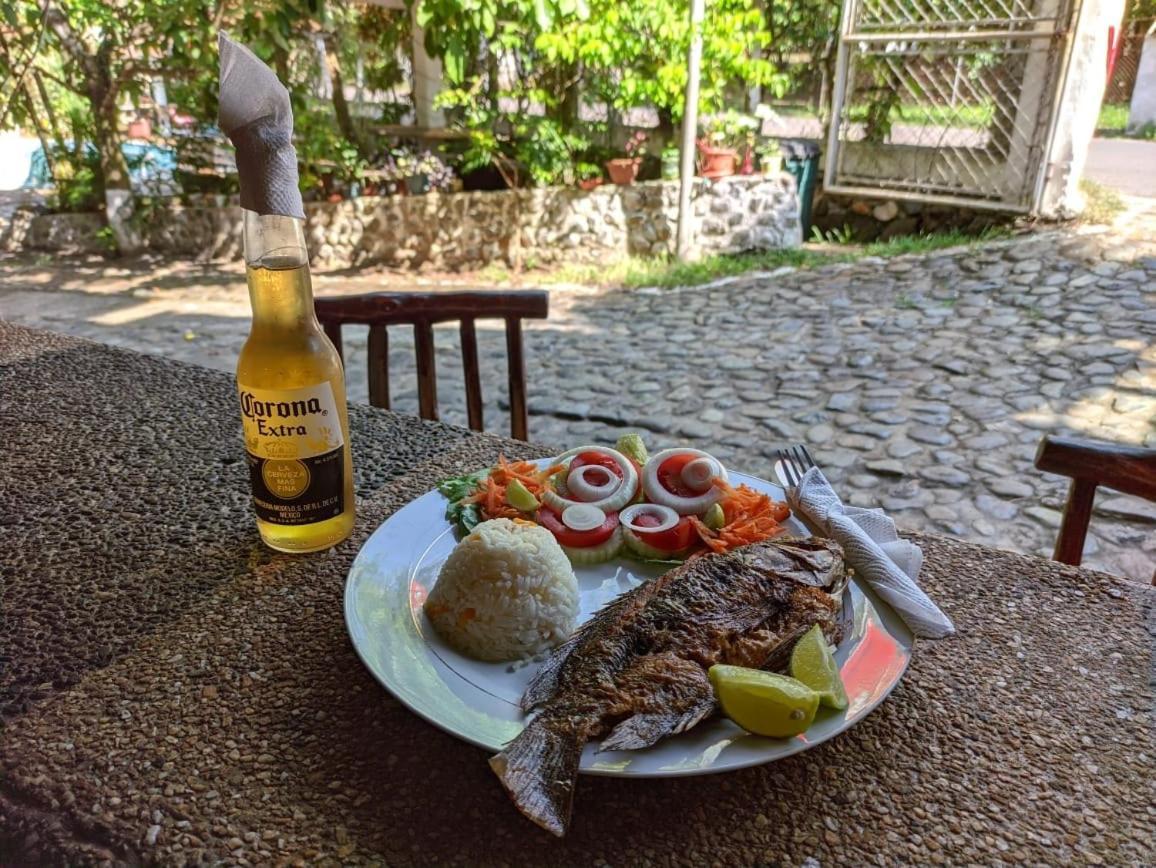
{"x":478,"y":702}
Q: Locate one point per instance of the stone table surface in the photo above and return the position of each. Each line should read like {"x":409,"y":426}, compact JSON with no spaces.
{"x":173,"y":692}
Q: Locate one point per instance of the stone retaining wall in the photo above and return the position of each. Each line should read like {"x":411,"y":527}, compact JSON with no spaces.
{"x":866,"y":220}
{"x":471,"y":230}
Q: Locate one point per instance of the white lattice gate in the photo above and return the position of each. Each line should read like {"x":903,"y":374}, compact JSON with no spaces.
{"x":948,"y":100}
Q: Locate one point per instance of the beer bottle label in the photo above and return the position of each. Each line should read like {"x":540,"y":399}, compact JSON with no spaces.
{"x":296,"y":453}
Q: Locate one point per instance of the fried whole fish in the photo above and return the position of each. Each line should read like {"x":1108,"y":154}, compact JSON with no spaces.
{"x":637,"y":671}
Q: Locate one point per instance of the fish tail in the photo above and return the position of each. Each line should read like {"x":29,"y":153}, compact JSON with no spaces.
{"x":539,"y":769}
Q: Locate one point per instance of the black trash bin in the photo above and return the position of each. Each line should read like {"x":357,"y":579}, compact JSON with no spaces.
{"x":801,"y":159}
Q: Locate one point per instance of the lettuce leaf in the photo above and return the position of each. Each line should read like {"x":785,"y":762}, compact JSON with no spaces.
{"x":465,"y":515}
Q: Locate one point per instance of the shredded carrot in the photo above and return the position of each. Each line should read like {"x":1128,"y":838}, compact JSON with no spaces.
{"x":750,"y":517}
{"x":491,"y":492}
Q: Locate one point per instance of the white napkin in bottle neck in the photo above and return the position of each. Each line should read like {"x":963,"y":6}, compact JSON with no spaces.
{"x":256,"y":115}
{"x":872,"y":546}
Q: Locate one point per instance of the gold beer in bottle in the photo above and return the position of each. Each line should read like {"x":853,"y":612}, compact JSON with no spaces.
{"x":289,"y":378}
{"x":292,"y":392}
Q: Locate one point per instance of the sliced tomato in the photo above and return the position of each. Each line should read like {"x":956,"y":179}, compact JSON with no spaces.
{"x":670,"y":474}
{"x":674,"y":539}
{"x":597,"y":459}
{"x":576,"y":539}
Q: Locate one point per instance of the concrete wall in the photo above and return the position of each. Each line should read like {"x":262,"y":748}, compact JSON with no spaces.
{"x":1143,"y":108}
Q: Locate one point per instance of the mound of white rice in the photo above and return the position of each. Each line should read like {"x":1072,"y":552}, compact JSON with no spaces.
{"x":506,"y":592}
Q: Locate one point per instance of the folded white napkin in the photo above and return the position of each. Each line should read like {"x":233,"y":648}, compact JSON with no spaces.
{"x":871,"y":545}
{"x":256,"y":115}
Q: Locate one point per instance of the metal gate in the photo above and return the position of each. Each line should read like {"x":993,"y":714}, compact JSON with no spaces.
{"x":947,"y":100}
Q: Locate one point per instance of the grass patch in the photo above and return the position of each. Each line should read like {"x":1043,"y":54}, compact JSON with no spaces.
{"x":928,"y":243}
{"x":637,"y":272}
{"x":1113,"y":123}
{"x":1101,"y":204}
{"x":963,"y":115}
{"x":1113,"y":118}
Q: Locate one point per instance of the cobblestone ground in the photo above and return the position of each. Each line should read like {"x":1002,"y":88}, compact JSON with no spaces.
{"x":922,"y":384}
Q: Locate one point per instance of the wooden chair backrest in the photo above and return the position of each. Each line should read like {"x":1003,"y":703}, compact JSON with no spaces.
{"x":1128,"y":469}
{"x":422,"y":310}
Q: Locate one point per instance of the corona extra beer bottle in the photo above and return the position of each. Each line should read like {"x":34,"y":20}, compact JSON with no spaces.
{"x":292,"y":392}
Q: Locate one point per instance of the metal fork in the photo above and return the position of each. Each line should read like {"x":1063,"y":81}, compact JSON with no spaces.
{"x":793,"y":462}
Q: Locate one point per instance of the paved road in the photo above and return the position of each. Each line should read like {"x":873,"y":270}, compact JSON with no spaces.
{"x":921,"y":383}
{"x":1126,"y":165}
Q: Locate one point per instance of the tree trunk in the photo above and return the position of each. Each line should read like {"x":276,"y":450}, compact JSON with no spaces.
{"x":49,"y":111}
{"x":34,"y":115}
{"x":106,"y":134}
{"x":567,"y":79}
{"x":337,"y":86}
{"x":666,"y":128}
{"x":493,"y":84}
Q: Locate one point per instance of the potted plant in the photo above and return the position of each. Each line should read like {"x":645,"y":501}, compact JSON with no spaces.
{"x":589,"y":175}
{"x":770,"y":157}
{"x":718,"y":147}
{"x":623,"y":170}
{"x":412,"y":174}
{"x":439,"y":175}
{"x":670,"y":163}
{"x":140,"y":128}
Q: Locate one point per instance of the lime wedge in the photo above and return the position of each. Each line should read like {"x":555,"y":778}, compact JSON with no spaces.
{"x":520,"y":497}
{"x":714,"y":517}
{"x":764,"y":703}
{"x":813,"y":663}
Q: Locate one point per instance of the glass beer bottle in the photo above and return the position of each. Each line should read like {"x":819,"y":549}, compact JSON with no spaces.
{"x":292,"y":393}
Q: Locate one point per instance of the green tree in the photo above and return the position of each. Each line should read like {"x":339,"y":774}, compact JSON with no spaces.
{"x":558,"y":54}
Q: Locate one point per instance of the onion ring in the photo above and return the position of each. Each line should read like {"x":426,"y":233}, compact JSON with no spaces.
{"x":622,"y":495}
{"x":668,"y":518}
{"x":583,"y":489}
{"x":656,"y":492}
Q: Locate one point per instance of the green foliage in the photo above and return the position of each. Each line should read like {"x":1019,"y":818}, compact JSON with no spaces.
{"x":932,"y":241}
{"x":842,"y":235}
{"x":106,"y":238}
{"x":464,"y":516}
{"x":566,"y":52}
{"x":78,"y":183}
{"x":523,"y":147}
{"x":584,"y":171}
{"x":730,"y":129}
{"x":664,"y":273}
{"x":634,"y":54}
{"x":325,"y":156}
{"x":1113,"y":118}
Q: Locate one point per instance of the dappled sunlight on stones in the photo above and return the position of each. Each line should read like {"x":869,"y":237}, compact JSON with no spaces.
{"x":935,"y":376}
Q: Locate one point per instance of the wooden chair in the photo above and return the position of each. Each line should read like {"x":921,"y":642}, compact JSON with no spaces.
{"x":1129,"y":469}
{"x":421,"y":310}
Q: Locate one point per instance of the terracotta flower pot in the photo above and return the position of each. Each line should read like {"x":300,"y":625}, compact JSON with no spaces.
{"x":589,"y":184}
{"x":716,"y":162}
{"x":623,"y":170}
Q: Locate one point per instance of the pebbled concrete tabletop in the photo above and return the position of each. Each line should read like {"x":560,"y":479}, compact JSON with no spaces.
{"x":171,"y":691}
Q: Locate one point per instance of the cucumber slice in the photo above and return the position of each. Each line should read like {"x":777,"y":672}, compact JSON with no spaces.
{"x":648,"y":552}
{"x":599,"y":554}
